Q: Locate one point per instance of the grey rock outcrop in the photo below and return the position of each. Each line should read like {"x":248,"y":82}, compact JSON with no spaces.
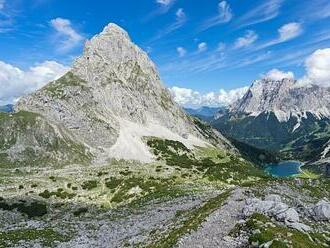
{"x":113,"y":97}
{"x":272,"y":206}
{"x":320,"y":211}
{"x":285,"y":98}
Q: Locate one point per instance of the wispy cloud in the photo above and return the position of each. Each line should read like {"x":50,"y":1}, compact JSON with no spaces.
{"x":268,"y":10}
{"x":2,"y":4}
{"x":224,"y":15}
{"x":315,"y":10}
{"x":180,"y":20}
{"x":163,"y":7}
{"x":251,"y":60}
{"x":215,"y":59}
{"x":165,"y":2}
{"x":248,"y":39}
{"x":68,"y":36}
{"x":7,"y":17}
{"x":181,"y":51}
{"x":287,"y":32}
{"x":221,"y":47}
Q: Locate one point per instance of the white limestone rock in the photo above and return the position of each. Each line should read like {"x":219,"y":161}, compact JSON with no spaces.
{"x":285,"y":98}
{"x":110,"y":88}
{"x":272,"y":207}
{"x":320,"y":211}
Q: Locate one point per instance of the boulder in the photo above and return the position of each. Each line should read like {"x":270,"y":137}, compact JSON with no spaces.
{"x":289,"y":215}
{"x":273,"y":197}
{"x":299,"y":226}
{"x":272,"y":207}
{"x":320,"y":211}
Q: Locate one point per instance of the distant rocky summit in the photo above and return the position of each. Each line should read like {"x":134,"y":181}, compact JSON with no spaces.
{"x":282,"y":116}
{"x":286,"y":99}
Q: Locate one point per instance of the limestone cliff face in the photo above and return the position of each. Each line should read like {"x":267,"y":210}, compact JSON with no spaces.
{"x":112,"y":97}
{"x":285,"y":98}
{"x":282,"y":115}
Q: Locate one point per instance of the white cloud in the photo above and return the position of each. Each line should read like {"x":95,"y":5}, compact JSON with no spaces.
{"x":202,"y":47}
{"x":190,"y":98}
{"x":278,"y":75}
{"x":15,"y":82}
{"x":318,"y":67}
{"x":249,"y":38}
{"x":316,"y":9}
{"x":317,"y":70}
{"x":221,"y":47}
{"x":224,"y":15}
{"x":2,"y":4}
{"x":180,"y":14}
{"x":180,"y":20}
{"x":165,"y":2}
{"x":262,"y":13}
{"x":289,"y":31}
{"x":68,"y":35}
{"x":181,"y":51}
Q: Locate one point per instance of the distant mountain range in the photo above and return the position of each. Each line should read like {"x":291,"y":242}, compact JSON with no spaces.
{"x":7,"y":108}
{"x":281,"y":116}
{"x":205,"y":113}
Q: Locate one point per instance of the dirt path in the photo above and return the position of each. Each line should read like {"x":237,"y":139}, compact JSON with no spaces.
{"x":213,"y":232}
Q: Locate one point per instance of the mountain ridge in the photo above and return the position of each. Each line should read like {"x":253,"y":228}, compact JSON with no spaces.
{"x":112,"y":98}
{"x":286,"y":98}
{"x":283,"y":116}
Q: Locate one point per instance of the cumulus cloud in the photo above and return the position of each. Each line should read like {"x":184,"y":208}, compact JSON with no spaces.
{"x":15,"y":82}
{"x":181,"y":51}
{"x":190,"y":98}
{"x":202,"y":47}
{"x":249,"y":38}
{"x":224,"y":15}
{"x":68,"y":36}
{"x":278,"y":75}
{"x":317,"y":67}
{"x":317,"y":70}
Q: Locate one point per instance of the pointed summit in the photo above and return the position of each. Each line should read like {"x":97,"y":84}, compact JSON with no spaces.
{"x":112,"y":98}
{"x":114,"y":29}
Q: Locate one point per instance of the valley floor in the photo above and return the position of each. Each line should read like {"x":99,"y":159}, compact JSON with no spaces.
{"x":202,"y":198}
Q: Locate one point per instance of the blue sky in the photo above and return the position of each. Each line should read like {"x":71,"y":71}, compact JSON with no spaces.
{"x":200,"y":45}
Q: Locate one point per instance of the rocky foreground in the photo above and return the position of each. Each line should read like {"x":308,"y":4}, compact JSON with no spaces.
{"x":163,"y":204}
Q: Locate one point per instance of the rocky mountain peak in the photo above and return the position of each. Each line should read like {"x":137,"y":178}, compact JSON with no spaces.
{"x":115,"y":30}
{"x":112,"y":98}
{"x":285,"y":98}
{"x":112,"y":52}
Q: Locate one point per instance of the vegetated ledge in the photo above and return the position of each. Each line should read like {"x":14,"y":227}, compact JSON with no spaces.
{"x":262,"y":230}
{"x":28,"y":139}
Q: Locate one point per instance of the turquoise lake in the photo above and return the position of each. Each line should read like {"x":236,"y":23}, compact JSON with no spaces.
{"x":284,"y":169}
